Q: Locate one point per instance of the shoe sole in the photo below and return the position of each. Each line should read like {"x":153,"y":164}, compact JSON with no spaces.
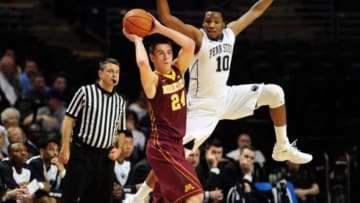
{"x":294,"y":161}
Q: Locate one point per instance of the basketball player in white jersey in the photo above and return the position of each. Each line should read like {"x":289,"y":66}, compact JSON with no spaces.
{"x":210,"y":99}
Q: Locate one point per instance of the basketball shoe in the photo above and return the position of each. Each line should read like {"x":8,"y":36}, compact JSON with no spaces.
{"x":131,"y":198}
{"x":283,"y":152}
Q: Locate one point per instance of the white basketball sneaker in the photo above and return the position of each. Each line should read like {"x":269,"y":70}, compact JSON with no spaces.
{"x":290,"y":152}
{"x":130,"y":198}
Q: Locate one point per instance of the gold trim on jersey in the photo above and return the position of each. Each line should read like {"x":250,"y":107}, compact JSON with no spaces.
{"x":173,"y":87}
{"x":171,"y":75}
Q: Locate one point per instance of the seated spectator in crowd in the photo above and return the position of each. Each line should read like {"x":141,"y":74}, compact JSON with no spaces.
{"x":10,"y":117}
{"x":16,"y":174}
{"x":2,"y":143}
{"x":49,"y":117}
{"x":244,"y":140}
{"x":138,"y":136}
{"x":59,"y":82}
{"x":47,"y":169}
{"x":214,"y":195}
{"x":304,"y":181}
{"x":238,"y":178}
{"x":30,"y":68}
{"x":139,"y":106}
{"x":16,"y":134}
{"x":36,"y":97}
{"x":143,"y":117}
{"x":123,"y":177}
{"x":209,"y":169}
{"x":9,"y":88}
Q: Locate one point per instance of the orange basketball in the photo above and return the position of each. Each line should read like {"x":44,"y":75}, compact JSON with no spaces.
{"x":138,"y":21}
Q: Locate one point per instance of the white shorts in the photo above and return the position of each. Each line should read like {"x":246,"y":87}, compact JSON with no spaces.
{"x":204,"y":113}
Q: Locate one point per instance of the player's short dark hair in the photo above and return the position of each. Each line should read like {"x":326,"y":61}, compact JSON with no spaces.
{"x":216,"y":9}
{"x":106,"y":61}
{"x":158,"y":39}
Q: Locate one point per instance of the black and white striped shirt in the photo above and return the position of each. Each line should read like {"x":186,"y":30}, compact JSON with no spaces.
{"x":99,"y":115}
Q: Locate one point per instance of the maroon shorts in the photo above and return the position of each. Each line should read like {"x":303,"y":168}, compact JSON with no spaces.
{"x":175,"y":177}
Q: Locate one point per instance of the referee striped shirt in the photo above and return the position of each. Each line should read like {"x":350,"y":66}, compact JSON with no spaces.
{"x":99,"y":115}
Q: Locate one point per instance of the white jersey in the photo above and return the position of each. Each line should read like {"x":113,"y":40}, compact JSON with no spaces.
{"x":210,"y":68}
{"x":210,"y":99}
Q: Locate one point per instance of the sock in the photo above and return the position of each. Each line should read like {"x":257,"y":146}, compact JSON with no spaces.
{"x":280,"y":133}
{"x":143,"y":191}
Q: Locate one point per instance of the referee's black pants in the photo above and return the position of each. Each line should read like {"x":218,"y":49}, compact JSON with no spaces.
{"x":89,"y":176}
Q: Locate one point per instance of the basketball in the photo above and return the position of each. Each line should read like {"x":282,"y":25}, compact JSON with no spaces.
{"x":138,"y":21}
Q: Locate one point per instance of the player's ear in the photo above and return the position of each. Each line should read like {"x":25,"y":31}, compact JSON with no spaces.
{"x":152,"y":57}
{"x":99,"y":72}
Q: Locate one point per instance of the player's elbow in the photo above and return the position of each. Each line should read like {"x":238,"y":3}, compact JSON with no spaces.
{"x":166,"y":19}
{"x":190,"y":45}
{"x":142,"y":63}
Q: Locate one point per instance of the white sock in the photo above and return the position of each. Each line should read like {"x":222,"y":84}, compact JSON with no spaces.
{"x":143,"y":191}
{"x":281,"y":136}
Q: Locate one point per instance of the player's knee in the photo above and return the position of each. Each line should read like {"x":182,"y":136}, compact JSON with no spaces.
{"x":272,"y":95}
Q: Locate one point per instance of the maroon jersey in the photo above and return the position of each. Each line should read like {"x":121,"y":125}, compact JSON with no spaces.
{"x":175,"y":176}
{"x":168,"y":107}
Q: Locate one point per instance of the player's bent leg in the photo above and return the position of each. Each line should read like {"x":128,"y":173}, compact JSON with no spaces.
{"x":273,"y":96}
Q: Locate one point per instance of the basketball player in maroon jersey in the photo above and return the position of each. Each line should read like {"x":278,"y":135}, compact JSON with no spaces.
{"x":164,"y":88}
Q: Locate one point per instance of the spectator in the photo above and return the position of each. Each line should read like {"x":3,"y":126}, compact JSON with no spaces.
{"x":16,"y":174}
{"x":10,"y":117}
{"x":30,"y":68}
{"x":47,"y":170}
{"x":138,"y":136}
{"x":9,"y":91}
{"x":35,"y":98}
{"x":2,"y":143}
{"x":59,"y":82}
{"x":304,"y":181}
{"x":238,"y":178}
{"x":123,"y":171}
{"x":50,"y":116}
{"x":139,"y":106}
{"x":244,"y":140}
{"x":16,"y":134}
{"x":211,"y":195}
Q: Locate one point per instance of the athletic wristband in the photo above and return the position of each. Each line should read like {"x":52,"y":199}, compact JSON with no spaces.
{"x":206,"y":196}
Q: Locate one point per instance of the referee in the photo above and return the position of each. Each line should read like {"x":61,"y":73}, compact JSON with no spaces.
{"x":95,"y":119}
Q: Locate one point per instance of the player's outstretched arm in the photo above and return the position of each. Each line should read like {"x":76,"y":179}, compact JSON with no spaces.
{"x":187,"y":45}
{"x":249,"y":17}
{"x":175,"y":23}
{"x":147,"y":76}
